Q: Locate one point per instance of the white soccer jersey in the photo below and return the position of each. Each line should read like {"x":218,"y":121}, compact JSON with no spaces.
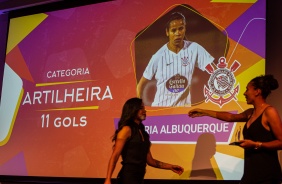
{"x":173,"y":73}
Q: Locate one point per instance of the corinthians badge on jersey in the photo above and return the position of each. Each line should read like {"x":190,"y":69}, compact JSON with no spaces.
{"x":221,"y":83}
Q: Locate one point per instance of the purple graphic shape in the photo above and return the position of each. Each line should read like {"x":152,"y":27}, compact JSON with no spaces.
{"x":252,"y":26}
{"x":62,"y":31}
{"x":182,"y":128}
{"x":63,"y":14}
{"x":15,"y":166}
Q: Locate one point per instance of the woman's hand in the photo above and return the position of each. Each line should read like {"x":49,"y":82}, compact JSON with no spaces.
{"x":246,"y":144}
{"x":195,"y":113}
{"x":177,"y":169}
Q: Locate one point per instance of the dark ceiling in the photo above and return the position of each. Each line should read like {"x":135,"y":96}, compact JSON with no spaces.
{"x":17,"y":8}
{"x":11,"y":5}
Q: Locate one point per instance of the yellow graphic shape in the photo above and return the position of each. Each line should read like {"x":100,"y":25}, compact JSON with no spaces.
{"x":60,"y":83}
{"x":216,"y":169}
{"x":245,"y":77}
{"x":21,"y":27}
{"x":74,"y":108}
{"x":233,"y":1}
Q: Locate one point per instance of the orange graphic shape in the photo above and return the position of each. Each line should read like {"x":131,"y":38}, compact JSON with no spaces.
{"x":16,"y":61}
{"x":239,"y":52}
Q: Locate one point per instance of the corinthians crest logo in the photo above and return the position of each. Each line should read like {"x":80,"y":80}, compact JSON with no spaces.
{"x":221,"y":83}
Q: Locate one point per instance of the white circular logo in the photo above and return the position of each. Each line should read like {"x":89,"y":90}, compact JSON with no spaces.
{"x":221,"y":81}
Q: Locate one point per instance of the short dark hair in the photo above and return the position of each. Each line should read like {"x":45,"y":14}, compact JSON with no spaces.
{"x":175,"y":16}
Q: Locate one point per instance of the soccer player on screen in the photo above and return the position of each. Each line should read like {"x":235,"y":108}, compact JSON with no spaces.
{"x":173,"y":66}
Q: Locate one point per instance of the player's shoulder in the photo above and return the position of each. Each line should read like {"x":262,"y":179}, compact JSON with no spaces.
{"x":191,"y":44}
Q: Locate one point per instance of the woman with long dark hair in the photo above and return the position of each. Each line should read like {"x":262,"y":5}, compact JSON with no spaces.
{"x":133,"y":144}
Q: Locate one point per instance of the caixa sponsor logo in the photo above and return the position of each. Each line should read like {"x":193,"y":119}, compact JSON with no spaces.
{"x":177,"y":83}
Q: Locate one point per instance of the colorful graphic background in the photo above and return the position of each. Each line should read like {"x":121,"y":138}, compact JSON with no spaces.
{"x":95,"y":42}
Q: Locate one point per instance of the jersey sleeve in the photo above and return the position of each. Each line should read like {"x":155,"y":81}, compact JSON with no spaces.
{"x":204,"y":58}
{"x":151,"y":68}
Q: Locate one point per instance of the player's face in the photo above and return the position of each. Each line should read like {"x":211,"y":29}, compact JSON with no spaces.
{"x":141,"y":115}
{"x":176,"y":32}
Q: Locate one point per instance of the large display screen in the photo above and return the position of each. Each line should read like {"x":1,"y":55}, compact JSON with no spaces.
{"x":68,"y":73}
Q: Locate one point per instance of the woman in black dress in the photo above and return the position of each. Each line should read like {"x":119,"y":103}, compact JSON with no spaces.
{"x":262,"y":132}
{"x":133,"y":144}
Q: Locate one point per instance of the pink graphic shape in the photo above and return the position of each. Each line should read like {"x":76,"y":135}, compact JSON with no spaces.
{"x":16,"y":61}
{"x":15,"y":166}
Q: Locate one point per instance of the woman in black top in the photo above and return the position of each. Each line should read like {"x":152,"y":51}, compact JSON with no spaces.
{"x":133,"y":144}
{"x":262,"y":132}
